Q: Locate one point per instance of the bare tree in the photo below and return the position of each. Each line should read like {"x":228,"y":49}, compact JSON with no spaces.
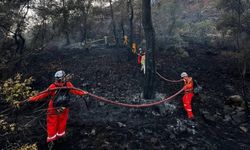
{"x":113,"y":22}
{"x":149,"y":89}
{"x":65,"y":22}
{"x":19,"y":39}
{"x":131,"y":17}
{"x":84,"y":28}
{"x":235,"y":19}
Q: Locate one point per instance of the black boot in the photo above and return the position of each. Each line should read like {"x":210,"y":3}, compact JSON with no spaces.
{"x":50,"y":145}
{"x":61,"y":140}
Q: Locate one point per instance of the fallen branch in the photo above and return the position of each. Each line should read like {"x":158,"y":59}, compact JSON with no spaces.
{"x":5,"y":110}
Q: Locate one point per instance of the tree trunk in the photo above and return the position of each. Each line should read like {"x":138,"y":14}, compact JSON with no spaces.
{"x":67,"y":38}
{"x":83,"y":25}
{"x":43,"y":36}
{"x":65,"y":23}
{"x":113,"y":23}
{"x":19,"y":41}
{"x":122,"y":27}
{"x":130,"y":12}
{"x":85,"y":21}
{"x":149,"y":87}
{"x":244,"y":86}
{"x":123,"y":12}
{"x":131,"y":17}
{"x":140,"y":28}
{"x":239,"y":31}
{"x":84,"y":30}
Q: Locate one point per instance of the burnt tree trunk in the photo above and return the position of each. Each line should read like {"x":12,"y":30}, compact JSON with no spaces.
{"x":113,"y":22}
{"x":149,"y":87}
{"x":83,"y":25}
{"x":65,"y":23}
{"x":19,"y":41}
{"x":122,"y":28}
{"x":130,"y":12}
{"x":131,"y":17}
{"x":244,"y":86}
{"x":85,"y":21}
{"x":123,"y":12}
{"x":43,"y":26}
{"x":140,"y":27}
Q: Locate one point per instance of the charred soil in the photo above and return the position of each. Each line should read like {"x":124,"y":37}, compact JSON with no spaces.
{"x":107,"y":72}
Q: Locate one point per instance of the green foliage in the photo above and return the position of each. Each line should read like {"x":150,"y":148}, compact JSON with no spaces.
{"x":234,"y":19}
{"x":28,"y":147}
{"x":200,"y":28}
{"x":17,"y":89}
{"x":200,"y":31}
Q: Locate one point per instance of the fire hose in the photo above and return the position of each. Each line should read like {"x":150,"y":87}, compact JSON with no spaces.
{"x":102,"y":99}
{"x":168,"y":80}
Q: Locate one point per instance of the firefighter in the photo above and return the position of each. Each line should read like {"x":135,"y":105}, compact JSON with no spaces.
{"x":139,"y":55}
{"x":125,"y":40}
{"x":143,"y":59}
{"x":57,"y":116}
{"x":134,"y":47}
{"x":188,"y":94}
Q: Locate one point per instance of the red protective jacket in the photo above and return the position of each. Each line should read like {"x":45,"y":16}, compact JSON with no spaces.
{"x":139,"y":59}
{"x":188,"y":85}
{"x":56,"y":122}
{"x":52,"y":93}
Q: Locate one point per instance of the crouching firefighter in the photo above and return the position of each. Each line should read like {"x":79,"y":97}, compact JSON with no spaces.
{"x":188,"y":94}
{"x":58,"y":108}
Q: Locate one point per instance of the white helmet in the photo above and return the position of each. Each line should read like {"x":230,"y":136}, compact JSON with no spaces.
{"x":184,"y":74}
{"x":60,"y":74}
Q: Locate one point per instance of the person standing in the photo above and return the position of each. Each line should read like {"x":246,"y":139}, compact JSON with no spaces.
{"x":134,"y":47}
{"x":143,"y":62}
{"x":125,"y":40}
{"x":58,"y":110}
{"x":188,"y":94}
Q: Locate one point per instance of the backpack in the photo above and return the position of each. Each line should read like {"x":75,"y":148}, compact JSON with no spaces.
{"x":62,"y":98}
{"x":197,"y":87}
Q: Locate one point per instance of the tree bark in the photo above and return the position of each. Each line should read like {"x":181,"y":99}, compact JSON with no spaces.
{"x":122,"y":27}
{"x":19,"y":41}
{"x":244,"y":86}
{"x":149,"y":87}
{"x":130,"y":12}
{"x":85,"y":21}
{"x":43,"y":36}
{"x":65,"y":23}
{"x":113,"y":22}
{"x":140,"y":27}
{"x":122,"y":19}
{"x":131,"y":17}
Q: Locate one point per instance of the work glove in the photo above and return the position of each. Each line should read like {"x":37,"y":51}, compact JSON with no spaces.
{"x":17,"y":104}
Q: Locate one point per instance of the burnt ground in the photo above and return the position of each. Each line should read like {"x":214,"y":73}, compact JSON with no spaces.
{"x":107,"y":72}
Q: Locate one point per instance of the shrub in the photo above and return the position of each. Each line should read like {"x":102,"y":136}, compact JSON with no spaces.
{"x":28,"y":147}
{"x":17,"y":89}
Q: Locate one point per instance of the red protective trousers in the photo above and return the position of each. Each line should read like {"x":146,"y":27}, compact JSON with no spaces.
{"x":56,"y":122}
{"x":187,"y":99}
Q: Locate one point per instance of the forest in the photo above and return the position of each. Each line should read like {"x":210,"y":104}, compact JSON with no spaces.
{"x":125,"y":74}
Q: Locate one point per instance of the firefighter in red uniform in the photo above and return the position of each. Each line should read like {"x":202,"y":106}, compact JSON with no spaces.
{"x":188,"y":94}
{"x":139,"y":56}
{"x":56,"y":116}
